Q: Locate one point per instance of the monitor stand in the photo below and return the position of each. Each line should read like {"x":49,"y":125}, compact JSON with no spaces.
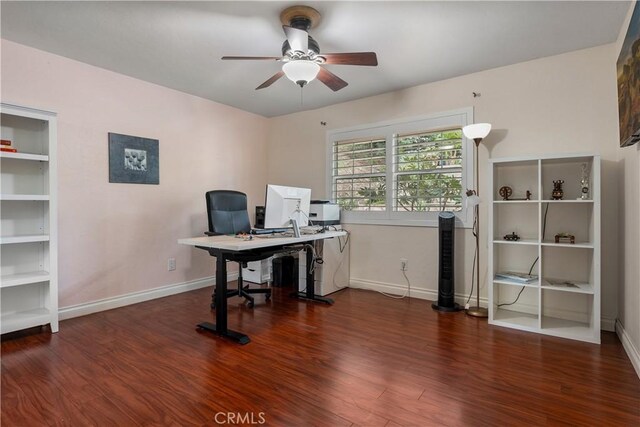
{"x":296,"y":229}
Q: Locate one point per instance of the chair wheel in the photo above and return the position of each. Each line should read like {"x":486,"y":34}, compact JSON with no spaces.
{"x":250,"y":304}
{"x":267,"y":297}
{"x":213,"y":306}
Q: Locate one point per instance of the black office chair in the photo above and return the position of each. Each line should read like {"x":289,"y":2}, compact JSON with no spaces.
{"x":227,"y":214}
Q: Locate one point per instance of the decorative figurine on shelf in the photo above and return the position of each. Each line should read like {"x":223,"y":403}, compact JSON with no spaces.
{"x":557,"y":193}
{"x":513,"y":237}
{"x":565,"y":238}
{"x":505,"y":192}
{"x":584,"y":182}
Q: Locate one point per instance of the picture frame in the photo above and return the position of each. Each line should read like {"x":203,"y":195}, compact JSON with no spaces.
{"x":628,"y":71}
{"x":133,"y":159}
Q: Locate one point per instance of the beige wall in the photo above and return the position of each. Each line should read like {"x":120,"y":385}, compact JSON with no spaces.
{"x":560,"y":104}
{"x":629,"y":216}
{"x":115,"y":239}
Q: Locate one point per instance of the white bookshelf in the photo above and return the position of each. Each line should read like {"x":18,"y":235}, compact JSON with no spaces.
{"x":565,"y":299}
{"x":28,"y":220}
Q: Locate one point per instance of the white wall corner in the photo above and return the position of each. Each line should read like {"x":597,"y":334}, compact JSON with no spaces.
{"x":630,"y":348}
{"x":608,"y":324}
{"x":86,"y":308}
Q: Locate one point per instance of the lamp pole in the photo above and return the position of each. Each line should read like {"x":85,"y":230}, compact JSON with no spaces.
{"x":477,"y":311}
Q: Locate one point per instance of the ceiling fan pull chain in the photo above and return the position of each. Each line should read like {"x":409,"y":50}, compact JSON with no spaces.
{"x":301,"y":99}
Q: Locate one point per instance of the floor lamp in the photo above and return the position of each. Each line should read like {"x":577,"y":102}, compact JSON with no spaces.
{"x":477,"y":132}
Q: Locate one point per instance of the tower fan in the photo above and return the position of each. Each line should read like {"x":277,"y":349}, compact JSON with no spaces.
{"x":446,"y":282}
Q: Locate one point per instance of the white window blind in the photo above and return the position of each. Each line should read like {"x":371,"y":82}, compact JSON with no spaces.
{"x":359,"y":171}
{"x":428,"y":171}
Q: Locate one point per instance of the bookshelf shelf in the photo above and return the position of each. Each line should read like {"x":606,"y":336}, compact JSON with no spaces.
{"x":511,"y":318}
{"x":24,"y":197}
{"x":579,"y":245}
{"x":19,"y":279}
{"x":578,"y":287}
{"x":507,"y":202}
{"x":24,"y":156}
{"x":14,"y":321}
{"x":519,"y":242}
{"x":516,"y":283}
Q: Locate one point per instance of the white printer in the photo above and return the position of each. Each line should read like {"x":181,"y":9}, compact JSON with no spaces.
{"x":322,"y":212}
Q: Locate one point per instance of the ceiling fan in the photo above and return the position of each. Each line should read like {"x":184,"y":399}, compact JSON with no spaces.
{"x":301,"y":55}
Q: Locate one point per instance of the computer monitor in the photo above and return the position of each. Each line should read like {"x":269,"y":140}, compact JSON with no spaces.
{"x":283,"y":204}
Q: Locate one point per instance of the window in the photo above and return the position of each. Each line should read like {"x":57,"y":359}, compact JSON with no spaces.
{"x":402,"y":172}
{"x":360,"y":174}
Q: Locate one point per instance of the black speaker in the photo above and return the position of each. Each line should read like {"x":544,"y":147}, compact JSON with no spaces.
{"x":259,"y":217}
{"x":446,"y":279}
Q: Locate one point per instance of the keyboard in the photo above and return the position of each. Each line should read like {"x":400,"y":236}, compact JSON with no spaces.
{"x":311,"y":229}
{"x":260,"y":231}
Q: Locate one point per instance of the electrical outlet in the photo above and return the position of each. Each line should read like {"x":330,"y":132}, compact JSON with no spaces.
{"x":404,"y":264}
{"x":171,"y":264}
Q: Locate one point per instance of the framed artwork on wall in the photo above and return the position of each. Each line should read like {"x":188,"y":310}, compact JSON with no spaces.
{"x":628,"y":67}
{"x":133,"y":160}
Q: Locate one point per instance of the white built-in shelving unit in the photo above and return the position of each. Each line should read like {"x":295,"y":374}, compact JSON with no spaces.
{"x":545,"y":305}
{"x":28,"y":220}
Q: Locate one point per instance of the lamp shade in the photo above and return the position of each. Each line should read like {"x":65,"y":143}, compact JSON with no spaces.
{"x":477,"y":130}
{"x":473,"y":201}
{"x":301,"y":71}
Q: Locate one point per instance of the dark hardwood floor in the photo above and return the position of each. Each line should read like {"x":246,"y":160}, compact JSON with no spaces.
{"x":368,"y":360}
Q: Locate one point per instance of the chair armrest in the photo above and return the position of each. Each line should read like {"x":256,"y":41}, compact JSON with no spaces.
{"x":210,"y":233}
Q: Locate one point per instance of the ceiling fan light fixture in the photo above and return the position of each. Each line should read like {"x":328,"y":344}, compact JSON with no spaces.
{"x":301,"y":71}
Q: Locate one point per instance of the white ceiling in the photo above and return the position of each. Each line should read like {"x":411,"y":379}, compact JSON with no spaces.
{"x":179,"y":44}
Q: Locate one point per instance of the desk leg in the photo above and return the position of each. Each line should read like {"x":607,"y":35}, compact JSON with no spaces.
{"x":310,"y":293}
{"x":220,"y":327}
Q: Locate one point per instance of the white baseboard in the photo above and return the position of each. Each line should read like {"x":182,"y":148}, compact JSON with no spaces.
{"x":136,"y":297}
{"x":629,"y":347}
{"x":606,"y":324}
{"x":395,"y":289}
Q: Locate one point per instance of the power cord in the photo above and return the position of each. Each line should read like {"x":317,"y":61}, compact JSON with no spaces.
{"x":298,"y":210}
{"x":521,"y":290}
{"x":475,"y":259}
{"x":473,"y":274}
{"x":544,"y":230}
{"x":342,"y":248}
{"x":407,"y":293}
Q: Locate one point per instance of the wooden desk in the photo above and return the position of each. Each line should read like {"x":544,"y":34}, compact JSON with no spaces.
{"x":224,"y":247}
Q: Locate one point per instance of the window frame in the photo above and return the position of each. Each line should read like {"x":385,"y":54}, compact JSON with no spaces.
{"x":389,"y":131}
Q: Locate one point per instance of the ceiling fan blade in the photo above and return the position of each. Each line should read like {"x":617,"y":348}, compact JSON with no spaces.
{"x":353,"y":58}
{"x":334,"y":82}
{"x":271,"y":80}
{"x":252,"y":58}
{"x":298,"y":39}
